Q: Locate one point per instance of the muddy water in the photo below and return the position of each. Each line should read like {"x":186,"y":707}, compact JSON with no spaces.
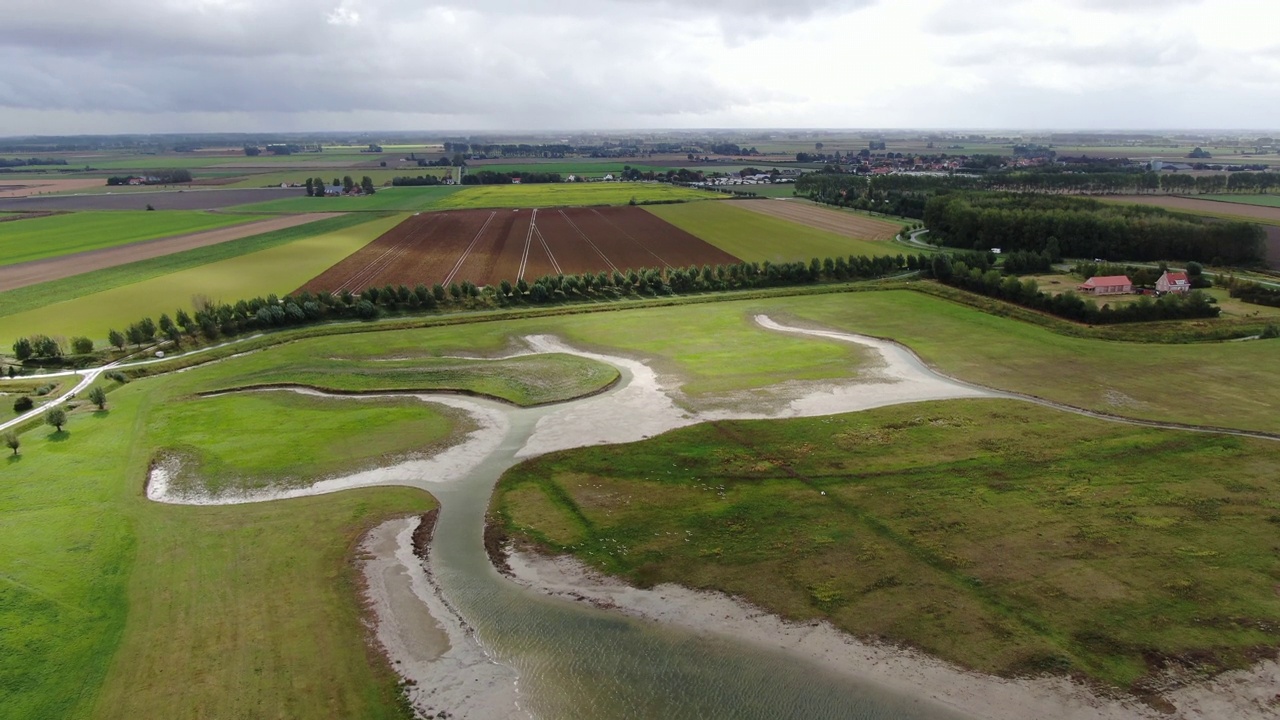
{"x":574,"y":661}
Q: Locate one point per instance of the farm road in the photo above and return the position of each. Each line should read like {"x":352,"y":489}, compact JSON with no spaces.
{"x":39,"y":271}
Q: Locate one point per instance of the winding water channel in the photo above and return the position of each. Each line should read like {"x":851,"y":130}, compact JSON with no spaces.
{"x":516,"y":652}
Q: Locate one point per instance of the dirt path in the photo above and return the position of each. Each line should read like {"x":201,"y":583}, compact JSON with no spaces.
{"x":27,"y":187}
{"x":39,"y":271}
{"x":842,"y":223}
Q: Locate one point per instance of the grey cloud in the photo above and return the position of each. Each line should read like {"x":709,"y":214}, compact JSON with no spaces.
{"x":1134,"y":53}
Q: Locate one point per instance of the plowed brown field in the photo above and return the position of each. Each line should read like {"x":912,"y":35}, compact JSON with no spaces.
{"x":836,"y":221}
{"x":487,"y":246}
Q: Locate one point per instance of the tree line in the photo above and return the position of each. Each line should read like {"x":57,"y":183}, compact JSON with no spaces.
{"x":154,"y":177}
{"x":25,"y":162}
{"x":1088,"y":228}
{"x":316,"y":186}
{"x":212,"y":320}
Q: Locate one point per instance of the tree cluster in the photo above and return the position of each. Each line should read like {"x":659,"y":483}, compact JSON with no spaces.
{"x":20,"y":162}
{"x":1088,"y":228}
{"x":37,"y":347}
{"x":956,"y":272}
{"x":489,"y":177}
{"x":171,"y":176}
{"x":420,"y":180}
{"x":1254,"y":293}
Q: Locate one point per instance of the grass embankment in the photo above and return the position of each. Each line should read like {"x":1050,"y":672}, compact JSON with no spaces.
{"x":756,"y":238}
{"x":117,"y":607}
{"x":36,"y":296}
{"x":1224,"y":384}
{"x":279,"y":269}
{"x":525,"y":381}
{"x":207,"y":436}
{"x":235,"y":611}
{"x":999,"y":535}
{"x":57,"y":235}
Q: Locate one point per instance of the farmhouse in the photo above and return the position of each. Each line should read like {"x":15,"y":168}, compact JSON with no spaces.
{"x":1173,"y":282}
{"x":333,"y":190}
{"x":1107,"y":285}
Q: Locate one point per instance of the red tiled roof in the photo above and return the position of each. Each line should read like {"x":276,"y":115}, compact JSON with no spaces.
{"x":1108,"y":280}
{"x":1176,"y":278}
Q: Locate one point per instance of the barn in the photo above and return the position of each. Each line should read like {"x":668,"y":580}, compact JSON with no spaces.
{"x":1107,"y":285}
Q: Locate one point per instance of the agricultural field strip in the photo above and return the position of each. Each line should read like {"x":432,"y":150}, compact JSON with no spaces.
{"x":528,"y":240}
{"x":842,"y":222}
{"x":586,"y":239}
{"x":632,"y":238}
{"x":383,"y":261}
{"x":467,"y":251}
{"x":64,"y":266}
{"x":469,"y":245}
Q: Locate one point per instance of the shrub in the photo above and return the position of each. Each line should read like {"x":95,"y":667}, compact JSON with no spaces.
{"x":23,"y":404}
{"x":81,"y":345}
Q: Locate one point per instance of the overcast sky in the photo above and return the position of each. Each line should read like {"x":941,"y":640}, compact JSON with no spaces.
{"x":114,"y":66}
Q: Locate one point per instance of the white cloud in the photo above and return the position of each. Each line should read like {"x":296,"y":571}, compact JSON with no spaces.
{"x":143,"y":65}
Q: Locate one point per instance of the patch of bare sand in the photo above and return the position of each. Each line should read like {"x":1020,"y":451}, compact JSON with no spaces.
{"x":1246,"y":694}
{"x":27,"y":187}
{"x":645,"y":405}
{"x":425,"y":640}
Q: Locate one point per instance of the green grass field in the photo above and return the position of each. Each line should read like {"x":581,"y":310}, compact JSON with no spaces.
{"x":1224,"y":384}
{"x":207,"y":435}
{"x":1264,"y":200}
{"x":37,"y":296}
{"x":249,"y":610}
{"x":116,"y":607}
{"x":1002,"y":536}
{"x":568,"y":194}
{"x":755,"y":237}
{"x":124,"y":608}
{"x":584,"y":167}
{"x":56,"y":235}
{"x":280,"y":270}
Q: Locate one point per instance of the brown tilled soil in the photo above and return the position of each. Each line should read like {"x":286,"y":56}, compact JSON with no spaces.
{"x":842,"y":223}
{"x":487,"y":246}
{"x":1190,"y":204}
{"x":31,"y":273}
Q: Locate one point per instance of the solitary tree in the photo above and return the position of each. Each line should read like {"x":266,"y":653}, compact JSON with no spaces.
{"x":11,"y":439}
{"x":98,"y":397}
{"x":115,"y":337}
{"x":55,"y":416}
{"x":81,"y":345}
